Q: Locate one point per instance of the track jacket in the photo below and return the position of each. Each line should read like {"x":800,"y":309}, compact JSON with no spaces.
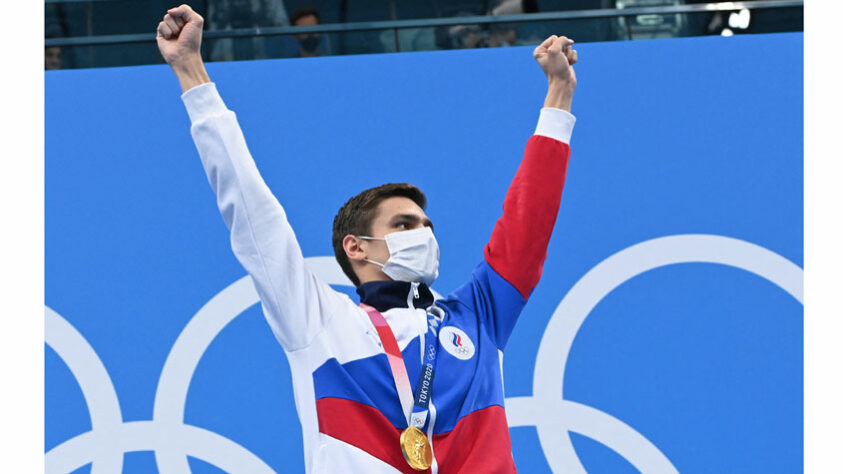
{"x":345,"y":396}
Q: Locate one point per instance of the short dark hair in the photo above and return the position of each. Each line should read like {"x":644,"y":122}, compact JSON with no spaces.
{"x":302,"y":12}
{"x":356,"y":215}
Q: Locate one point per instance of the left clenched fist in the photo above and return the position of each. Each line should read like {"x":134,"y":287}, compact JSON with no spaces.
{"x":556,"y":58}
{"x":180,"y":35}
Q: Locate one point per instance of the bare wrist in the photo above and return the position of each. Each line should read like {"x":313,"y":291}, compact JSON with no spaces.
{"x":190,"y":72}
{"x":559,"y":95}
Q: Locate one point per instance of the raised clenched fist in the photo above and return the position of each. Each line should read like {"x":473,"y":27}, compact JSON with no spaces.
{"x":555,"y":56}
{"x":180,"y":35}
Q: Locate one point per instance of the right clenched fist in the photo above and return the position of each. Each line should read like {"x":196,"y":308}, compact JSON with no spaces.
{"x":180,"y":35}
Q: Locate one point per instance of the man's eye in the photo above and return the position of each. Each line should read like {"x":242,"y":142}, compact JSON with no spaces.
{"x":401,"y":225}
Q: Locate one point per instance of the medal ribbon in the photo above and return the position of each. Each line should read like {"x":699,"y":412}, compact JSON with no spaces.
{"x":414,"y":405}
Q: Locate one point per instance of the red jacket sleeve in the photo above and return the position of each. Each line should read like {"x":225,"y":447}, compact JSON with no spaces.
{"x":518,"y":246}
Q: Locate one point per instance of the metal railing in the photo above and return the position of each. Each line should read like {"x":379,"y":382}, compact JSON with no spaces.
{"x":396,"y":25}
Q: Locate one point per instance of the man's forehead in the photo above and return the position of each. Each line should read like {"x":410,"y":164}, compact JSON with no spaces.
{"x":398,"y":205}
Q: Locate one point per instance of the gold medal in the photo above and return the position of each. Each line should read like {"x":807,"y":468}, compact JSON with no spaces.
{"x":416,"y":449}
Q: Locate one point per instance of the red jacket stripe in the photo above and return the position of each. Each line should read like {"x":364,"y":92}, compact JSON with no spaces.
{"x":364,"y":427}
{"x":478,"y":443}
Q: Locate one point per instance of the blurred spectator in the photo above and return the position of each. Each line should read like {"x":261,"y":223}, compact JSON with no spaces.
{"x":236,"y":14}
{"x":488,"y":35}
{"x":501,"y":35}
{"x":52,"y":58}
{"x":514,"y":7}
{"x":308,"y":43}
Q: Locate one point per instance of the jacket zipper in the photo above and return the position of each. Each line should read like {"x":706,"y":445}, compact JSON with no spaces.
{"x":414,"y":294}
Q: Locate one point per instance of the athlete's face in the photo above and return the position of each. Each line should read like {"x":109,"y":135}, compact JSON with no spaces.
{"x":393,"y":214}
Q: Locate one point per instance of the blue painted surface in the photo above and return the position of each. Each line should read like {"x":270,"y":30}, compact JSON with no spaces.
{"x":695,"y":135}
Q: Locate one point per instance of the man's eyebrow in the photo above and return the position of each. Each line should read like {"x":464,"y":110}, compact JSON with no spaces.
{"x":412,"y":218}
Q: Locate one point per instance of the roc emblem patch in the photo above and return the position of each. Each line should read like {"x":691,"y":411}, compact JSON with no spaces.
{"x":456,"y":342}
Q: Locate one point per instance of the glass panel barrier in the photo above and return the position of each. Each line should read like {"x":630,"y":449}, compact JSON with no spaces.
{"x":83,"y":39}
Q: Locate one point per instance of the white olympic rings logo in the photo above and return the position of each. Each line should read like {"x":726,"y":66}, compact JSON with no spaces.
{"x":554,"y":417}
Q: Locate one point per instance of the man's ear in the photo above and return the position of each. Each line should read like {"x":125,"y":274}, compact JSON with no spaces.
{"x":352,"y":246}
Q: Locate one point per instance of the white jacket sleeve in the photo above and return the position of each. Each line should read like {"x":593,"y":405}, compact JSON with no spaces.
{"x":296,"y":303}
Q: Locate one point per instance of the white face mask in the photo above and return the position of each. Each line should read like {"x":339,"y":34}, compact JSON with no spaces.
{"x":413,"y":255}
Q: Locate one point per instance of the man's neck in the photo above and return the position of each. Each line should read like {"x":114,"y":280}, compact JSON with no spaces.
{"x":385,"y":295}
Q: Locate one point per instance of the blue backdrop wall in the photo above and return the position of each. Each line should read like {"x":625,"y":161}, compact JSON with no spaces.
{"x":679,"y":237}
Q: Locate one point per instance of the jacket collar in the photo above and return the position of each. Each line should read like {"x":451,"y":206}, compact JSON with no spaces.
{"x":385,"y":295}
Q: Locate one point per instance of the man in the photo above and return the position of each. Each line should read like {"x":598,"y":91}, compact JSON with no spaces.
{"x":308,"y":43}
{"x":354,"y":368}
{"x":52,"y":58}
{"x":238,"y":14}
